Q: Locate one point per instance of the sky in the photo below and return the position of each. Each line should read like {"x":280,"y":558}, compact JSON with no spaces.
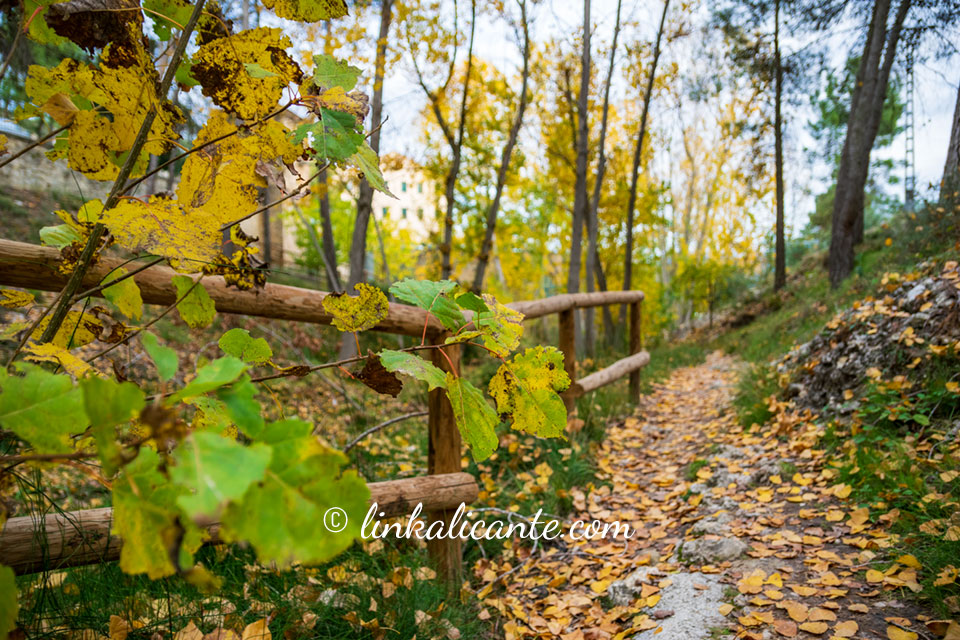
{"x":936,"y":89}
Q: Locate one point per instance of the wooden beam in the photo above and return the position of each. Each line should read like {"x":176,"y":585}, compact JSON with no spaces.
{"x":612,"y":373}
{"x":443,"y":456}
{"x":555,"y":304}
{"x":35,"y":267}
{"x":76,"y":538}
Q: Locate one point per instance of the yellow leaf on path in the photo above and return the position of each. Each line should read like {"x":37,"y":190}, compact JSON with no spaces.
{"x":725,"y":609}
{"x":896,"y":633}
{"x":256,"y":631}
{"x":796,"y":610}
{"x":859,"y":608}
{"x":947,"y":576}
{"x":846,"y":629}
{"x":909,"y":561}
{"x":119,"y":628}
{"x":874,"y":576}
{"x":786,"y":628}
{"x":842,"y":491}
{"x":599,"y":586}
{"x":189,"y":632}
{"x":818,"y":614}
{"x":752,"y":583}
{"x":815,"y":628}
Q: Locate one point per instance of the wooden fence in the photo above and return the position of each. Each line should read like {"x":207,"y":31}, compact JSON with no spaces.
{"x":30,"y":544}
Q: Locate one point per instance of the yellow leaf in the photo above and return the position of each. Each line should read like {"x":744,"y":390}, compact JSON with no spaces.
{"x":12,"y":299}
{"x":888,"y":241}
{"x":896,"y":633}
{"x":725,"y":609}
{"x":220,"y":66}
{"x":949,"y":476}
{"x":842,"y":491}
{"x":846,"y":629}
{"x":256,"y":631}
{"x":815,"y":628}
{"x":874,"y":576}
{"x":357,"y":313}
{"x":909,"y":561}
{"x":51,"y":352}
{"x":217,"y":186}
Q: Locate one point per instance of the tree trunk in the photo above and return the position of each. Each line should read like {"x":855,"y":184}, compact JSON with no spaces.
{"x":580,"y":203}
{"x":637,"y":153}
{"x":328,"y":250}
{"x":493,"y":210}
{"x":446,"y":248}
{"x":780,"y":268}
{"x":593,"y":206}
{"x":358,"y":243}
{"x":950,"y":180}
{"x":866,"y":108}
{"x":609,"y":328}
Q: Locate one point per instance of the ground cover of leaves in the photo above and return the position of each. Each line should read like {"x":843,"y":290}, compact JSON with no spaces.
{"x":738,"y":534}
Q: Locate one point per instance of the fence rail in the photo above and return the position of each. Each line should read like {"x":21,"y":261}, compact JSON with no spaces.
{"x":83,"y":537}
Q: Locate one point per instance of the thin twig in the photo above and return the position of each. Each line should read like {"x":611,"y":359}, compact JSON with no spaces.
{"x":383,"y":425}
{"x":13,"y":50}
{"x":97,"y":289}
{"x":32,"y":145}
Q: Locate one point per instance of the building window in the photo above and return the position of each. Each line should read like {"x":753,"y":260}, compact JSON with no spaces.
{"x":403,"y":213}
{"x":403,"y":187}
{"x":419,"y":187}
{"x":386,"y":211}
{"x":420,"y":213}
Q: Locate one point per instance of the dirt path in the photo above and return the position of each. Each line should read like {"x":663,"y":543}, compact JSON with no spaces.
{"x":737,"y":535}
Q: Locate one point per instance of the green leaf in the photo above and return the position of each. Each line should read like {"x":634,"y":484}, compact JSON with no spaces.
{"x":39,"y":31}
{"x":8,"y":601}
{"x":211,"y":414}
{"x":239,"y":344}
{"x":254,"y":70}
{"x":367,"y":161}
{"x":282,"y":517}
{"x":308,"y":10}
{"x":242,"y":406}
{"x":215,"y":470}
{"x":42,"y":408}
{"x":334,"y":137}
{"x":473,"y":302}
{"x":108,"y":404}
{"x":414,"y":366}
{"x":475,"y":418}
{"x":525,"y":390}
{"x":330,"y":72}
{"x":59,"y":236}
{"x":144,"y":516}
{"x":501,"y":327}
{"x":434,"y":297}
{"x":167,"y":15}
{"x":197,"y":308}
{"x":212,"y":376}
{"x":357,"y":313}
{"x":164,"y":358}
{"x":125,"y":294}
{"x":184,"y":75}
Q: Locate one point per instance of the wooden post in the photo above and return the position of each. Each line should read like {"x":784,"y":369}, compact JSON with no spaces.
{"x":568,"y":346}
{"x":444,"y":457}
{"x":636,"y":344}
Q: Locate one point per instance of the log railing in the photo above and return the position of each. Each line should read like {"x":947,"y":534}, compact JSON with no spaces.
{"x":83,"y":537}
